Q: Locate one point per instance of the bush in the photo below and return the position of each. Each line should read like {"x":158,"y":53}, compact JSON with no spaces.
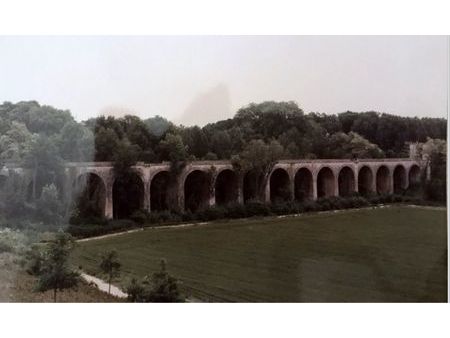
{"x":187,"y":216}
{"x":256,"y":208}
{"x":6,"y":247}
{"x":284,"y":208}
{"x":90,"y":230}
{"x":235,"y":210}
{"x":161,"y":287}
{"x":164,"y":216}
{"x":324,"y":204}
{"x":139,"y":216}
{"x":211,"y":214}
{"x":49,"y":205}
{"x":310,"y":206}
{"x":76,"y":219}
{"x":358,"y":202}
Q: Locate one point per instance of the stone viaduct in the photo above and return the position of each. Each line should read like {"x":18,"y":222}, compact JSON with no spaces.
{"x":208,"y":183}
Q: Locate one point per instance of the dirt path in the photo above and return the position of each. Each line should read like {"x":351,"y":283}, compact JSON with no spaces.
{"x":103,"y":286}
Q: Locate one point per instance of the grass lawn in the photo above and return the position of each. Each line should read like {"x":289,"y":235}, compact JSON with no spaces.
{"x":396,"y":254}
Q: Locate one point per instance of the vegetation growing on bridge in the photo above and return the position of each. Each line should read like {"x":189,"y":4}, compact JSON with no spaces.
{"x":41,"y":138}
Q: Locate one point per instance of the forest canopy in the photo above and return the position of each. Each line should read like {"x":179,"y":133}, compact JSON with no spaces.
{"x":30,"y":131}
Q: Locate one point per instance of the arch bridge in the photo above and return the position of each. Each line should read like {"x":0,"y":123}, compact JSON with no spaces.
{"x":207,"y":183}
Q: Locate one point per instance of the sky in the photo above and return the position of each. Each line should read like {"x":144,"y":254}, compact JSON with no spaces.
{"x":201,"y":79}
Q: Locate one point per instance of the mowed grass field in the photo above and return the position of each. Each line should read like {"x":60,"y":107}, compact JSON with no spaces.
{"x":395,"y":254}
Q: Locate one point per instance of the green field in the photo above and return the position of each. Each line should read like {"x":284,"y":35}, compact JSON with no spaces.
{"x":396,"y":254}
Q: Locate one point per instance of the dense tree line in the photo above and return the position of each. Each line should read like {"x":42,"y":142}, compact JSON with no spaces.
{"x":28,"y":127}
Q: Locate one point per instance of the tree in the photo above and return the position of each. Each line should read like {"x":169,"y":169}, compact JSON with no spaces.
{"x":174,"y":150}
{"x":43,"y":158}
{"x":434,"y":151}
{"x":259,"y":158}
{"x":54,"y":273}
{"x":76,"y":143}
{"x":352,"y":145}
{"x":161,"y":287}
{"x":158,"y":125}
{"x":110,"y":266}
{"x":49,"y":207}
{"x":135,"y":292}
{"x":196,"y":141}
{"x":15,"y":142}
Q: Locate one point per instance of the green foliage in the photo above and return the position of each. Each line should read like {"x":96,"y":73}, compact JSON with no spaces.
{"x":49,"y":207}
{"x":161,"y":287}
{"x":135,"y":292}
{"x":76,"y":142}
{"x":98,"y":229}
{"x":259,"y":158}
{"x":110,"y":266}
{"x":352,"y":145}
{"x":139,"y":216}
{"x":12,"y":197}
{"x":54,"y":272}
{"x":35,"y":260}
{"x":158,"y":125}
{"x":434,"y":151}
{"x":174,"y":150}
{"x":436,"y":187}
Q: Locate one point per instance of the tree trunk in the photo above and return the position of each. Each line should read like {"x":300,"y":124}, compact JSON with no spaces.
{"x":54,"y":294}
{"x":109,"y":286}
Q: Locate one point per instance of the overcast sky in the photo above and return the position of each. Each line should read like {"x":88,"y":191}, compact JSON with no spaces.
{"x":199,"y":79}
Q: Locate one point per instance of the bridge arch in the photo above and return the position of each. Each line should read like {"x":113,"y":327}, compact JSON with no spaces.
{"x":346,"y":181}
{"x":383,"y":180}
{"x":365,"y":180}
{"x":128,"y":195}
{"x":90,"y":194}
{"x":303,"y":185}
{"x":196,"y":190}
{"x":159,"y":191}
{"x":325,"y":182}
{"x":226,"y":187}
{"x":414,"y":175}
{"x":400,"y":182}
{"x":280,"y":186}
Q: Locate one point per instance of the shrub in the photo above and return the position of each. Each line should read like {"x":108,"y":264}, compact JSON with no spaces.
{"x":235,"y":210}
{"x":6,"y":247}
{"x":358,"y":202}
{"x":211,"y":214}
{"x":49,"y":205}
{"x":135,"y":291}
{"x":310,"y":205}
{"x":89,"y":230}
{"x":161,"y":287}
{"x":78,"y":220}
{"x":156,"y":217}
{"x":283,"y":208}
{"x":256,"y":208}
{"x":324,"y":204}
{"x":139,"y":216}
{"x":187,"y":216}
